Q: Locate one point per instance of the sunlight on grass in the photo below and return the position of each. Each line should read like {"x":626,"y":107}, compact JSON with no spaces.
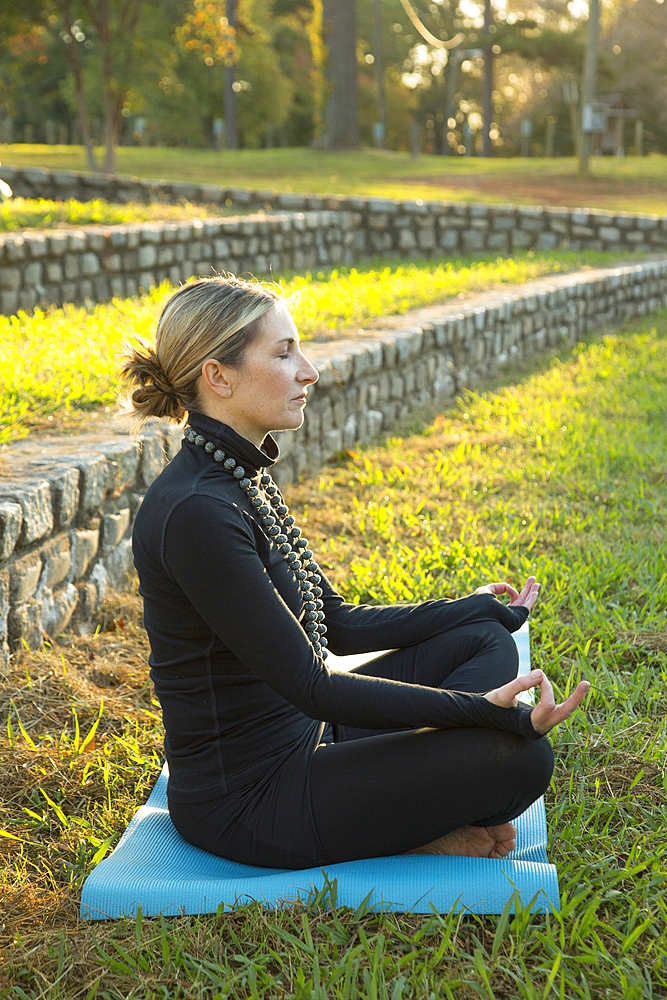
{"x":627,"y":184}
{"x":58,"y":363}
{"x":40,"y":213}
{"x":562,"y":473}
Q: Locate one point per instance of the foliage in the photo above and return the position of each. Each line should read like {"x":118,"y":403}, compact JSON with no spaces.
{"x":535,"y":51}
{"x":530,"y":476}
{"x":56,"y":366}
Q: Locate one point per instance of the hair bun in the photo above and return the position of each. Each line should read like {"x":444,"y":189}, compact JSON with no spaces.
{"x":154,"y":394}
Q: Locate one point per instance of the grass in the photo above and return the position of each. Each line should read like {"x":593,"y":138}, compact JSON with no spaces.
{"x":40,"y":213}
{"x":56,"y":366}
{"x":563,"y":472}
{"x":629,"y":184}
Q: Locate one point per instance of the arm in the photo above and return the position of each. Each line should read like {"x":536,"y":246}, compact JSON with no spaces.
{"x":210,"y":552}
{"x":360,"y":628}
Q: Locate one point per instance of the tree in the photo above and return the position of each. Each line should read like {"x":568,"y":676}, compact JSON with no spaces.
{"x":341,"y":115}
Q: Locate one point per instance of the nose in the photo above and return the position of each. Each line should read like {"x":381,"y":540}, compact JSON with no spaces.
{"x":308,"y":373}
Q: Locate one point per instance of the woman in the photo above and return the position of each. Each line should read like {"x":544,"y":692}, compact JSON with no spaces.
{"x":274,"y":760}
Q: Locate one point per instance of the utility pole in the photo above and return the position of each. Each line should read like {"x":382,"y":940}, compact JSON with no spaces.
{"x":588,"y":95}
{"x":487,"y":98}
{"x":231,"y":131}
{"x":379,"y":75}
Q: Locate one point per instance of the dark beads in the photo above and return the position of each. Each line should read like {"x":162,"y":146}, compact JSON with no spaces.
{"x":312,"y":567}
{"x":264,"y":510}
{"x":269,"y":489}
{"x":265,"y":480}
{"x":256,"y":501}
{"x":285,"y":548}
{"x":245,"y":484}
{"x":323,"y":640}
{"x":309,"y":606}
{"x":200,"y":440}
{"x":317,"y":647}
{"x":209,"y":447}
{"x":281,"y":538}
{"x":295,"y":532}
{"x":317,"y":591}
{"x":310,"y":626}
{"x":319,"y":604}
{"x":305,"y":585}
{"x":292,"y":558}
{"x":229,"y":464}
{"x":301,"y":574}
{"x":310,"y":616}
{"x":253,"y":491}
{"x":219,"y":456}
{"x":239,"y":472}
{"x":321,"y":628}
{"x":307,"y":554}
{"x":289,"y":521}
{"x":300,"y":543}
{"x":282,"y":509}
{"x":315,"y":577}
{"x":273,"y":531}
{"x":268,"y":521}
{"x":319,"y":616}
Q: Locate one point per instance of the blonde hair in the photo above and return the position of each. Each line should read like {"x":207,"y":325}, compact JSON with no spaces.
{"x":208,"y":318}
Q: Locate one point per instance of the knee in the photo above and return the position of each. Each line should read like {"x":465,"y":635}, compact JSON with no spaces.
{"x":538,"y":766}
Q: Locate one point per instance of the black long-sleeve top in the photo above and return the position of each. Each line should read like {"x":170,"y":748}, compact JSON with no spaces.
{"x":238,"y":680}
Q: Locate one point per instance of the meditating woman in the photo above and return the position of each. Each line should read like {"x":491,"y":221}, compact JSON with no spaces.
{"x":275,"y":760}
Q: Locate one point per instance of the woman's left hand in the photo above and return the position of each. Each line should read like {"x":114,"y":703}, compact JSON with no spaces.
{"x":526,"y":598}
{"x":546,"y":714}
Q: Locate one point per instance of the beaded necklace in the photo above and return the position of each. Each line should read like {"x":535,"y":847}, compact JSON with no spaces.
{"x":280,"y":527}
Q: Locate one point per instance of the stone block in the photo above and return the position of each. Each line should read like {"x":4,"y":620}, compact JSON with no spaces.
{"x":72,"y":266}
{"x":10,"y":277}
{"x":119,"y":565}
{"x":24,"y":576}
{"x":123,"y":460}
{"x":32,"y":273}
{"x":35,"y":502}
{"x":610,"y":234}
{"x":114,"y":527}
{"x":56,"y":556}
{"x":84,"y":545}
{"x":65,"y":493}
{"x":147,"y":256}
{"x":10,"y":303}
{"x":24,"y":624}
{"x":15,"y":249}
{"x":57,"y":609}
{"x":152,"y":458}
{"x":54,"y":272}
{"x":407,"y":240}
{"x":11,"y":517}
{"x":93,"y":482}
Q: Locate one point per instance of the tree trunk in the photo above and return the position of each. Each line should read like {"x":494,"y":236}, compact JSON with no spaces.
{"x":487,"y":92}
{"x":231,"y":135}
{"x":77,"y":73}
{"x":341,"y":116}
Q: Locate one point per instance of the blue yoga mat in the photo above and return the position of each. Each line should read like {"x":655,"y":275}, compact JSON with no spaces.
{"x":155,"y":869}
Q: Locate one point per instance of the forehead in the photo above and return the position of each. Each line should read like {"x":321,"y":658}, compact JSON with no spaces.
{"x":278,"y":324}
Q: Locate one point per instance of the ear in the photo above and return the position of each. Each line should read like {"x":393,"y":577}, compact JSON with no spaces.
{"x":217,"y":378}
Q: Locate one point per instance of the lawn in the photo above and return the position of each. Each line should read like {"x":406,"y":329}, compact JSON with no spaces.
{"x":630,"y":184}
{"x":562,"y":471}
{"x":57,"y":366}
{"x":40,"y":213}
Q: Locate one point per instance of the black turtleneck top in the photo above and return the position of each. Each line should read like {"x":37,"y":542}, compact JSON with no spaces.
{"x":238,"y":680}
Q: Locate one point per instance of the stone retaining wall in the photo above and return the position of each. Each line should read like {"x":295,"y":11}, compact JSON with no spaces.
{"x":369,"y":226}
{"x":67,"y":504}
{"x":56,"y":266}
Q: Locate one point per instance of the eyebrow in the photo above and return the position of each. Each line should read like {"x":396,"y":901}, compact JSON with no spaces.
{"x":287,"y":340}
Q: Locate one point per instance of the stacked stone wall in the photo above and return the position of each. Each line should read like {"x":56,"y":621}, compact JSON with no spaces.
{"x":67,"y":505}
{"x":98,"y":263}
{"x":406,"y":228}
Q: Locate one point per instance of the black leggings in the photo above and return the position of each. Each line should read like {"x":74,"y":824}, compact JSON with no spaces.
{"x":371,"y":793}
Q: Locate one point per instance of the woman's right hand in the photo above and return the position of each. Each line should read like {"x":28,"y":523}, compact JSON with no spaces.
{"x":546,"y":713}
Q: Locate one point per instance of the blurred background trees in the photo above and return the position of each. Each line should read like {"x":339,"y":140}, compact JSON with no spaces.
{"x":297,"y":72}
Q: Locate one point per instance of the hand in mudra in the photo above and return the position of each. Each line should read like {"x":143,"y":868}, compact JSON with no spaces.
{"x":526,"y":598}
{"x":546,"y":713}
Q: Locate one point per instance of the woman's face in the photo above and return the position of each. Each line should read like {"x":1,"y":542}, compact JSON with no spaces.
{"x":269,"y":392}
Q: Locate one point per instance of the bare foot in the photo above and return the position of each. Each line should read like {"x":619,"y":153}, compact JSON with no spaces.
{"x":474,"y":842}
